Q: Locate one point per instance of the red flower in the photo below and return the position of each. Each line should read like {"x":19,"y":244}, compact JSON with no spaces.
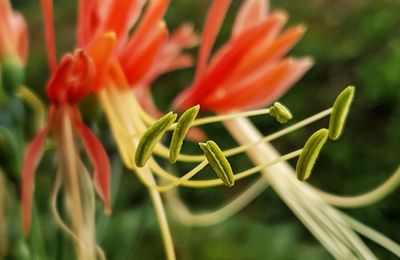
{"x":72,"y":79}
{"x":250,"y":69}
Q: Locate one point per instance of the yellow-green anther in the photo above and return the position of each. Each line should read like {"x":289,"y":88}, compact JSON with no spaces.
{"x":280,"y":112}
{"x":340,"y":111}
{"x":180,"y":132}
{"x":218,"y":162}
{"x":151,"y":137}
{"x":310,"y":154}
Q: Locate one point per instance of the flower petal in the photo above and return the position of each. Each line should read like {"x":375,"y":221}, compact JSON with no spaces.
{"x":264,"y":55}
{"x":260,"y":91}
{"x":136,"y":69}
{"x":101,"y":50}
{"x":250,"y":13}
{"x":101,"y":164}
{"x":47,"y":10}
{"x":145,"y":29}
{"x":120,"y":15}
{"x":21,"y":36}
{"x":31,"y":160}
{"x":88,"y":20}
{"x":224,"y":63}
{"x":215,"y":17}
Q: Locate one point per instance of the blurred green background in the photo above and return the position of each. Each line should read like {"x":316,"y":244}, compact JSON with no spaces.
{"x":353,"y":42}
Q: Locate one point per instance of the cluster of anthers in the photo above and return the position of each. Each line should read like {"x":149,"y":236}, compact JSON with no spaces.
{"x":217,"y":159}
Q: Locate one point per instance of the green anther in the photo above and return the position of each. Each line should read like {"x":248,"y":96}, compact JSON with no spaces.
{"x":218,"y":162}
{"x":151,"y":137}
{"x":180,"y":132}
{"x":310,"y":154}
{"x":280,"y":112}
{"x":340,"y":111}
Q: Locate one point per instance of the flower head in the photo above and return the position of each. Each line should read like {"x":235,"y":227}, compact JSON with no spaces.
{"x":72,"y":79}
{"x":250,"y":70}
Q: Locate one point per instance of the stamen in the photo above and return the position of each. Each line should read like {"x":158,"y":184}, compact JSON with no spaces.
{"x":280,"y":112}
{"x":180,"y":132}
{"x":340,"y":111}
{"x":151,"y":137}
{"x":184,"y":180}
{"x":310,"y":154}
{"x":163,"y":151}
{"x":37,"y":105}
{"x":218,"y":162}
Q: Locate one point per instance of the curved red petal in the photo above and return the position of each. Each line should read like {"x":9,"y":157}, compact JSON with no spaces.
{"x":101,"y":164}
{"x":31,"y":160}
{"x":101,"y":50}
{"x":229,"y":58}
{"x":120,"y":14}
{"x":88,"y":17}
{"x":137,"y":69}
{"x":47,"y":9}
{"x":250,"y":13}
{"x":144,"y":32}
{"x":215,"y":17}
{"x":259,"y":91}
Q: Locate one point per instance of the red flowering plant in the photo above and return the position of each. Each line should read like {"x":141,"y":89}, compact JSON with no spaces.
{"x":250,"y":71}
{"x":121,"y":51}
{"x":71,"y":80}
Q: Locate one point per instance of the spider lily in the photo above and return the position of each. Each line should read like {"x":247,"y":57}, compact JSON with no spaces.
{"x":71,"y":80}
{"x":134,"y":62}
{"x":249,"y":72}
{"x":256,"y":49}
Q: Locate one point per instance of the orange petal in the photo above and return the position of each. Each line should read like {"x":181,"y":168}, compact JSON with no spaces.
{"x":88,"y":20}
{"x":101,"y":163}
{"x":21,"y":36}
{"x":231,"y":55}
{"x":119,"y":17}
{"x":213,"y":23}
{"x":171,"y":57}
{"x":116,"y":75}
{"x":265,"y":54}
{"x":261,"y":91}
{"x":31,"y":160}
{"x":72,"y":80}
{"x":101,"y":50}
{"x":250,"y":13}
{"x":47,"y":10}
{"x":145,"y":29}
{"x":136,"y":69}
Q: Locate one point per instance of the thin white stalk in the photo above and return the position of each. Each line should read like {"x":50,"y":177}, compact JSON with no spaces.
{"x":282,"y":179}
{"x":185,"y":216}
{"x":123,"y":109}
{"x":373,"y":235}
{"x":365,"y":199}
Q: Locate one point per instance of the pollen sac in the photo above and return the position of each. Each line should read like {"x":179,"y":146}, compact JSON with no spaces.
{"x":180,"y":132}
{"x":310,"y":154}
{"x":340,"y":111}
{"x":151,"y":137}
{"x":218,"y":162}
{"x":280,"y":112}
